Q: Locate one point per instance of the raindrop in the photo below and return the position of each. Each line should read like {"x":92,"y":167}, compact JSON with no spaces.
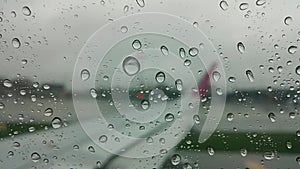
{"x":178,"y":84}
{"x":175,"y":159}
{"x":196,"y":119}
{"x":16,"y":43}
{"x":288,"y":20}
{"x":85,"y":74}
{"x":230,"y":116}
{"x":232,"y":79}
{"x":93,"y":93}
{"x":164,"y":50}
{"x":145,"y":104}
{"x":297,"y":70}
{"x":187,"y":62}
{"x":272,"y":117}
{"x":124,"y":29}
{"x":2,"y":106}
{"x":141,"y":3}
{"x":31,"y":129}
{"x":182,"y":53}
{"x":7,"y":83}
{"x":126,"y":8}
{"x":136,"y":44}
{"x":216,"y":76}
{"x":250,"y":75}
{"x":16,"y":145}
{"x":260,"y":2}
{"x":160,"y":77}
{"x":243,"y":6}
{"x":103,"y":139}
{"x":35,"y":157}
{"x":169,"y":117}
{"x":187,"y":166}
{"x":131,"y":66}
{"x":224,"y":5}
{"x":243,"y":152}
{"x":292,"y":49}
{"x":289,"y":145}
{"x":26,"y":11}
{"x":210,"y":151}
{"x":298,"y":160}
{"x":193,"y":51}
{"x":269,"y":155}
{"x":91,"y":149}
{"x":56,"y":123}
{"x":241,"y":47}
{"x":48,"y":112}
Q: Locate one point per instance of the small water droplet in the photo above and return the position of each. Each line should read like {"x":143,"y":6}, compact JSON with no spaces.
{"x":35,"y":157}
{"x":196,"y":119}
{"x":241,"y":47}
{"x":141,"y":3}
{"x":175,"y":159}
{"x":223,"y":5}
{"x":216,"y":76}
{"x":289,"y":145}
{"x":169,"y":117}
{"x":160,"y":77}
{"x":288,"y":20}
{"x":93,"y":93}
{"x":7,"y":83}
{"x":243,"y":152}
{"x":48,"y":112}
{"x":178,"y":84}
{"x":292,"y":49}
{"x":230,"y":116}
{"x":131,"y":66}
{"x":26,"y":11}
{"x":210,"y":151}
{"x":16,"y":145}
{"x":91,"y":149}
{"x":85,"y":74}
{"x":16,"y":43}
{"x":193,"y":51}
{"x":272,"y":117}
{"x":126,"y":8}
{"x":269,"y":155}
{"x":136,"y":44}
{"x":145,"y":104}
{"x":164,"y":50}
{"x":2,"y":106}
{"x":187,"y":62}
{"x":297,"y":70}
{"x":182,"y":53}
{"x":56,"y":123}
{"x":232,"y":79}
{"x":103,"y":139}
{"x":260,"y":2}
{"x":124,"y":29}
{"x":243,"y":6}
{"x":250,"y":75}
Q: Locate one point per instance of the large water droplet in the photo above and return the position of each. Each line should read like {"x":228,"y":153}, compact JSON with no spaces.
{"x":26,"y":11}
{"x":7,"y":83}
{"x":164,"y":50}
{"x":35,"y":157}
{"x":169,"y":117}
{"x":250,"y":75}
{"x":85,"y":74}
{"x":56,"y":123}
{"x":292,"y":49}
{"x":175,"y":159}
{"x":160,"y":77}
{"x":224,"y":5}
{"x":241,"y":47}
{"x":141,"y":3}
{"x":297,"y":70}
{"x":136,"y":44}
{"x":16,"y":43}
{"x":193,"y":51}
{"x":131,"y":66}
{"x":288,"y":20}
{"x":269,"y":155}
{"x":178,"y":84}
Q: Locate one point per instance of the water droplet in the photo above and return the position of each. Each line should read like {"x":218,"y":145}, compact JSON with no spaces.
{"x":124,"y":29}
{"x":297,"y":70}
{"x":193,"y":51}
{"x":292,"y":115}
{"x":126,"y":8}
{"x":216,"y":76}
{"x":187,"y":166}
{"x":2,"y":106}
{"x":145,"y":104}
{"x":289,"y":145}
{"x":91,"y":149}
{"x":288,"y":20}
{"x":260,"y":2}
{"x":250,"y":75}
{"x":243,"y":152}
{"x":187,"y":62}
{"x":232,"y":79}
{"x":178,"y":84}
{"x":85,"y":74}
{"x":298,"y":133}
{"x":13,"y":14}
{"x":7,"y":83}
{"x":164,"y":50}
{"x":272,"y":117}
{"x":56,"y":123}
{"x":75,"y":147}
{"x":35,"y":157}
{"x":241,"y":47}
{"x":169,"y":117}
{"x":16,"y":43}
{"x":175,"y":159}
{"x":230,"y":116}
{"x":46,"y":86}
{"x":182,"y":53}
{"x":31,"y":129}
{"x":224,"y":5}
{"x":269,"y":155}
{"x":48,"y":112}
{"x":131,"y":66}
{"x":16,"y":145}
{"x":141,"y":3}
{"x":26,"y":11}
{"x":103,"y":139}
{"x":160,"y":77}
{"x":196,"y":119}
{"x":93,"y":93}
{"x":243,"y":6}
{"x":298,"y":160}
{"x":210,"y":151}
{"x":292,"y":49}
{"x":136,"y":44}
